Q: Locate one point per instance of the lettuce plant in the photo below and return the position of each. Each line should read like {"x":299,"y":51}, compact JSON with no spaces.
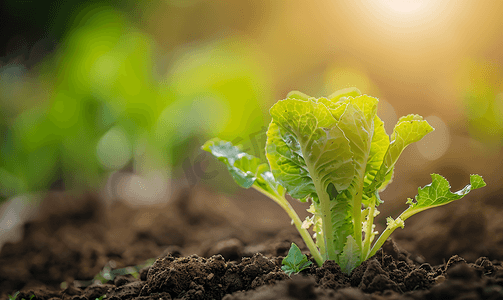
{"x":334,"y":153}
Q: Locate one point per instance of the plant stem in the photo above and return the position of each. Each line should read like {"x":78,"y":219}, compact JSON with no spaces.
{"x":326,"y":221}
{"x":357,"y":214}
{"x":368,"y":232}
{"x":306,"y":236}
{"x":320,"y":242}
{"x":385,"y":234}
{"x":409,"y":212}
{"x":389,"y":229}
{"x":380,"y":241}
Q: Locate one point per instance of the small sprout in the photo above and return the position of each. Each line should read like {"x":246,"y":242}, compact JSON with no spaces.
{"x":295,"y":261}
{"x":13,"y":297}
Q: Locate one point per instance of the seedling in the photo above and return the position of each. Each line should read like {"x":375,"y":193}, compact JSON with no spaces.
{"x":13,"y":297}
{"x":334,"y":153}
{"x":295,"y":261}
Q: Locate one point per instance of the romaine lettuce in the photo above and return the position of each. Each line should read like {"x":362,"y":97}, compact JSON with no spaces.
{"x":335,"y":153}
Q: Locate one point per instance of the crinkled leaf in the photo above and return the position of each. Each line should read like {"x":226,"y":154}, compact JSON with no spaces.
{"x":337,"y":102}
{"x":476,"y":181}
{"x":267,"y":182}
{"x":357,"y":123}
{"x":350,"y":257}
{"x":295,"y":261}
{"x":246,"y":169}
{"x":336,"y":108}
{"x":378,"y":148}
{"x":368,"y":105}
{"x":408,"y":130}
{"x":347,"y":92}
{"x":287,"y":164}
{"x":297,"y":95}
{"x":438,"y":193}
{"x":242,"y":166}
{"x":304,"y":135}
{"x":342,"y":219}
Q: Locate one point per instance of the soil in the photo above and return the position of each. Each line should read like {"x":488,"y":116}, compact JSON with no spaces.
{"x":204,"y":245}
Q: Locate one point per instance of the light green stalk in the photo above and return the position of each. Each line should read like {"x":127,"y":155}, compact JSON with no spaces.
{"x":385,"y":235}
{"x":357,"y":214}
{"x":326,"y":218}
{"x":306,"y":236}
{"x":368,"y":231}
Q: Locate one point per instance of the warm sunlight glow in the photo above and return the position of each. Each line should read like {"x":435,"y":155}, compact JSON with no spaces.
{"x":404,"y":6}
{"x":403,"y":36}
{"x":405,"y":12}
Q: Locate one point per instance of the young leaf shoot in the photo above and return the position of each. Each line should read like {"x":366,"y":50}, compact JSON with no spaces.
{"x":295,"y":261}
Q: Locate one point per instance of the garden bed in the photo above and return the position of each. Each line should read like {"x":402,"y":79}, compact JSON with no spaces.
{"x":207,"y":249}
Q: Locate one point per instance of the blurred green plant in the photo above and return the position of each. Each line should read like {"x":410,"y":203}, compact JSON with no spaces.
{"x":214,"y":88}
{"x":13,"y":297}
{"x":480,"y":86}
{"x":100,"y":107}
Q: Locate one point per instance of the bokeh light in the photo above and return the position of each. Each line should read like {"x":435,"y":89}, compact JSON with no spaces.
{"x":136,"y":87}
{"x":114,"y":149}
{"x":435,"y":144}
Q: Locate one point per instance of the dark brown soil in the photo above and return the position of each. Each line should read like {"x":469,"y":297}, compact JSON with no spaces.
{"x":207,"y":249}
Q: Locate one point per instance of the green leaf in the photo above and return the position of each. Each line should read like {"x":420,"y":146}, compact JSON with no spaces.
{"x":242,"y":166}
{"x":287,"y":163}
{"x":438,"y":193}
{"x":357,"y":123}
{"x":378,"y":148}
{"x":347,"y":92}
{"x":247,"y":170}
{"x":267,"y":182}
{"x":476,"y":181}
{"x":342,"y":219}
{"x":304,"y":144}
{"x":408,"y":130}
{"x":13,"y":297}
{"x":295,"y":261}
{"x":297,"y":95}
{"x":350,"y":257}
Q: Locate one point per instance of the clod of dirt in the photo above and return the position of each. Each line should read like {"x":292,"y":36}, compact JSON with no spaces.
{"x":389,"y":270}
{"x":127,"y":291}
{"x":299,"y":288}
{"x":191,"y":274}
{"x":330,"y":276}
{"x":211,"y":278}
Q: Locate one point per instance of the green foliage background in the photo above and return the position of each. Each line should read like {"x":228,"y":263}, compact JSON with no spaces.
{"x":97,"y":104}
{"x":140,"y":85}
